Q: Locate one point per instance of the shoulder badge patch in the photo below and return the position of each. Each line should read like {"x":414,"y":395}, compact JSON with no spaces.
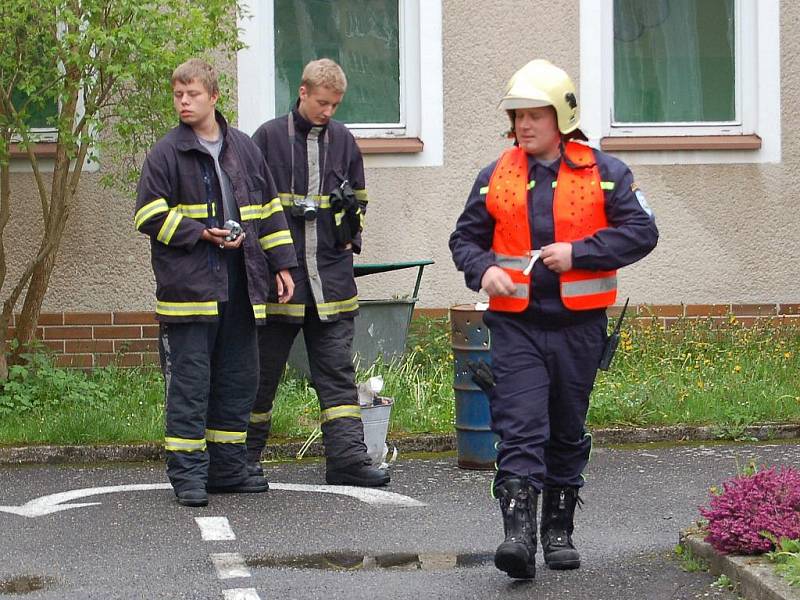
{"x":641,"y":199}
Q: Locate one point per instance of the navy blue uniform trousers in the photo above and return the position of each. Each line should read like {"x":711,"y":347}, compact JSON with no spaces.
{"x":543,"y":379}
{"x":211,"y":376}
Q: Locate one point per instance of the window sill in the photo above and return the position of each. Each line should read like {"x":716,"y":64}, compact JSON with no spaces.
{"x":390,"y":145}
{"x":41,"y":150}
{"x":697,"y":142}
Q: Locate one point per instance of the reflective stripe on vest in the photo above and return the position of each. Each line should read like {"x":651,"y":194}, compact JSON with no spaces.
{"x":577,"y":189}
{"x":595,"y":285}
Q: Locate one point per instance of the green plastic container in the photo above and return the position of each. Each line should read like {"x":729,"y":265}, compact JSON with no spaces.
{"x":381,"y":327}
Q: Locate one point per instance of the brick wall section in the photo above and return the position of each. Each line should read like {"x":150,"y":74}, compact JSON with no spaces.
{"x":86,"y":340}
{"x":747,"y":314}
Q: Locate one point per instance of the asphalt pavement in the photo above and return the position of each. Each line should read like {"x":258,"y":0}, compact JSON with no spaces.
{"x":430,"y":534}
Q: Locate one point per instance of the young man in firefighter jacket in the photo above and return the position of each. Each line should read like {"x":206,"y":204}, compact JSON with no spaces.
{"x":319,"y":173}
{"x":211,"y":289}
{"x":543,"y":232}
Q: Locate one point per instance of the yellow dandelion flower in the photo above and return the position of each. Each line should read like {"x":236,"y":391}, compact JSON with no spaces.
{"x":737,"y":369}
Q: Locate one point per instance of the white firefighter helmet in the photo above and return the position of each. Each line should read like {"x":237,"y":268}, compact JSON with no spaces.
{"x":541,"y":83}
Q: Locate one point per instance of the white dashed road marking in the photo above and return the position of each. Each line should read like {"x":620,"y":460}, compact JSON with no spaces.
{"x":229,"y":565}
{"x":241,"y":594}
{"x":215,"y":528}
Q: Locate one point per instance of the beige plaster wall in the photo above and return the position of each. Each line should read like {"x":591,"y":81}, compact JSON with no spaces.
{"x":728,"y":233}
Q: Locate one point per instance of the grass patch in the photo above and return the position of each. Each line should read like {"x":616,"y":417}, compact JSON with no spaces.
{"x":703,"y":373}
{"x":786,"y":558}
{"x":696,"y":372}
{"x":689,"y":562}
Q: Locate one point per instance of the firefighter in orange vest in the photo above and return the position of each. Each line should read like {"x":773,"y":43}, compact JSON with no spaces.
{"x":543,"y":232}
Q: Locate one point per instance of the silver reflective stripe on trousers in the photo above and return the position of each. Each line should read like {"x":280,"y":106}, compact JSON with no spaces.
{"x":587,"y":287}
{"x":312,"y":150}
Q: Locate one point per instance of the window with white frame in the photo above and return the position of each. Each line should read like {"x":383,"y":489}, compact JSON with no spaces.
{"x":683,"y":69}
{"x":39,"y":115}
{"x":390,"y":51}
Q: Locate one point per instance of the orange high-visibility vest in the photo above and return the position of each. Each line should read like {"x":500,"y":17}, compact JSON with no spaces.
{"x":578,"y":212}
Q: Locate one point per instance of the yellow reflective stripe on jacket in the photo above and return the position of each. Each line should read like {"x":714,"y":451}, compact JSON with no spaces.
{"x":174,"y":444}
{"x":148,"y":211}
{"x":195,"y":211}
{"x":361,"y":195}
{"x":287,"y":310}
{"x":340,"y":412}
{"x":167,"y":230}
{"x":322,"y":200}
{"x":271,"y":207}
{"x":226,"y":437}
{"x":531,"y":184}
{"x":331,"y":308}
{"x":607,"y":185}
{"x":186,"y":309}
{"x":251,"y":213}
{"x":260,"y":311}
{"x":337,"y":218}
{"x":258,"y":211}
{"x":278,"y":238}
{"x":264,"y":417}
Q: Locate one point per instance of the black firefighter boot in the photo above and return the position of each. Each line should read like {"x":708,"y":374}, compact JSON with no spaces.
{"x":517,"y":554}
{"x":558,"y":511}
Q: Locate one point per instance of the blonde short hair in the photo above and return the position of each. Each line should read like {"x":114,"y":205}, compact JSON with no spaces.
{"x":324,"y":72}
{"x":196,"y":69}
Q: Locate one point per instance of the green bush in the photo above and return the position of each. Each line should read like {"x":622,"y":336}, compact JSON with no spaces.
{"x":39,"y":385}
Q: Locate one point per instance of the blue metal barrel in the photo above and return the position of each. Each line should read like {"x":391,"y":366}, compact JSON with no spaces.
{"x":474,"y":438}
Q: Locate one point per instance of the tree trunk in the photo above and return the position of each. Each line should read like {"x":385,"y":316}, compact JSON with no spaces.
{"x":32,"y":307}
{"x":3,"y":358}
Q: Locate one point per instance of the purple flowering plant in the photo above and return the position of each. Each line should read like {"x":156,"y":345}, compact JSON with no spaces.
{"x":754,"y":509}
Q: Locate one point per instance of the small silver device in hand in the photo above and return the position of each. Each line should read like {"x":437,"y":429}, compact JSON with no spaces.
{"x":234,"y":228}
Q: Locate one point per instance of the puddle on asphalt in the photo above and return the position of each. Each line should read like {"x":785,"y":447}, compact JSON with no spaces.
{"x":353,"y":561}
{"x":24,"y":584}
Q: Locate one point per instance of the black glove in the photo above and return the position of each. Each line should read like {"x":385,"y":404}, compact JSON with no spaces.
{"x":346,"y":213}
{"x":481,"y":375}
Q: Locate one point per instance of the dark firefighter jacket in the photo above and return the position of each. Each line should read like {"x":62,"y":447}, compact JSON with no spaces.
{"x":179,"y":196}
{"x":324,"y":276}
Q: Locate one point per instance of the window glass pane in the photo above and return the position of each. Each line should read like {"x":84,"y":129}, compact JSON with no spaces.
{"x":39,"y":113}
{"x":674,"y":61}
{"x":360,"y":35}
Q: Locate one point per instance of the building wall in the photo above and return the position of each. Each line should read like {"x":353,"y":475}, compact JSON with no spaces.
{"x":728,"y":233}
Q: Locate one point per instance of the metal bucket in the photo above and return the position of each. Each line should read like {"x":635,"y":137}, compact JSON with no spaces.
{"x":376,"y":425}
{"x":475,"y":441}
